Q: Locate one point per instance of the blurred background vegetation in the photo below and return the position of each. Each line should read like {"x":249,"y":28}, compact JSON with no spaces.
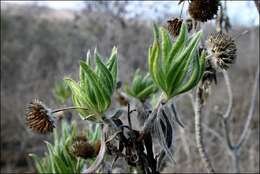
{"x":40,"y":45}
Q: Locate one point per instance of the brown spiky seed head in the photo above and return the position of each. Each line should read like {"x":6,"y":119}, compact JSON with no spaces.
{"x":81,"y":148}
{"x":39,"y":117}
{"x":208,"y":77}
{"x":174,"y":26}
{"x":97,"y":146}
{"x":223,"y":50}
{"x":203,"y":10}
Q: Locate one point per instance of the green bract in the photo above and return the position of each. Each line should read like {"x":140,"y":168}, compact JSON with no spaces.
{"x":142,"y":86}
{"x":175,"y":67}
{"x":96,"y":86}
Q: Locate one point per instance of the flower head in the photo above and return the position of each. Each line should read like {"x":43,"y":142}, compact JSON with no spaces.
{"x":203,"y":10}
{"x":223,"y":49}
{"x":82,"y":148}
{"x":39,"y":117}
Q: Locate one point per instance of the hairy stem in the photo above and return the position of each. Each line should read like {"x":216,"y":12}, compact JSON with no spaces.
{"x":197,"y":106}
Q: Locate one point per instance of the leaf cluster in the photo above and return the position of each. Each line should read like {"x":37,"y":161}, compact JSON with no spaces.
{"x":96,"y":86}
{"x":142,"y":87}
{"x":175,"y":67}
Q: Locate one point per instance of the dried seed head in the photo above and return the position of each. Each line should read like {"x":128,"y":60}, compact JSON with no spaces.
{"x":208,"y":78}
{"x":203,"y":10}
{"x":39,"y":118}
{"x":81,"y":148}
{"x":223,"y":50}
{"x":174,"y":26}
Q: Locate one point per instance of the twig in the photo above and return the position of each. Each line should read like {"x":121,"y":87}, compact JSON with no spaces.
{"x":128,"y":116}
{"x":251,"y":109}
{"x":230,"y":95}
{"x":227,"y":134}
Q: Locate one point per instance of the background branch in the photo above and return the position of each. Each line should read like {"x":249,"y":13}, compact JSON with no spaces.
{"x":251,"y":109}
{"x":235,"y":148}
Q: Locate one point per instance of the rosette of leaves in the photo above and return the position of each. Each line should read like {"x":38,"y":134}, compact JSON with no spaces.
{"x":61,"y":91}
{"x":175,"y":67}
{"x":58,"y":158}
{"x":142,"y":87}
{"x":96,"y":86}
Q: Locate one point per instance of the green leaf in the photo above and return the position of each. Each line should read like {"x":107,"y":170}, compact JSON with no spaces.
{"x":73,"y":86}
{"x":100,"y":91}
{"x":153,"y":52}
{"x":88,"y":58}
{"x":181,"y":61}
{"x":112,"y":65}
{"x":146,"y":92}
{"x":38,"y":163}
{"x":155,"y":33}
{"x":157,"y":70}
{"x":136,"y":86}
{"x":142,"y":86}
{"x":166,"y":46}
{"x":104,"y":74}
{"x":77,"y":93}
{"x":191,"y":55}
{"x":196,"y":75}
{"x":177,"y":46}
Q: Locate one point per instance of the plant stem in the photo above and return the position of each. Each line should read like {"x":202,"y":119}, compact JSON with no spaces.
{"x":251,"y":109}
{"x":95,"y":165}
{"x":230,"y":95}
{"x":67,"y":108}
{"x":197,"y":106}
